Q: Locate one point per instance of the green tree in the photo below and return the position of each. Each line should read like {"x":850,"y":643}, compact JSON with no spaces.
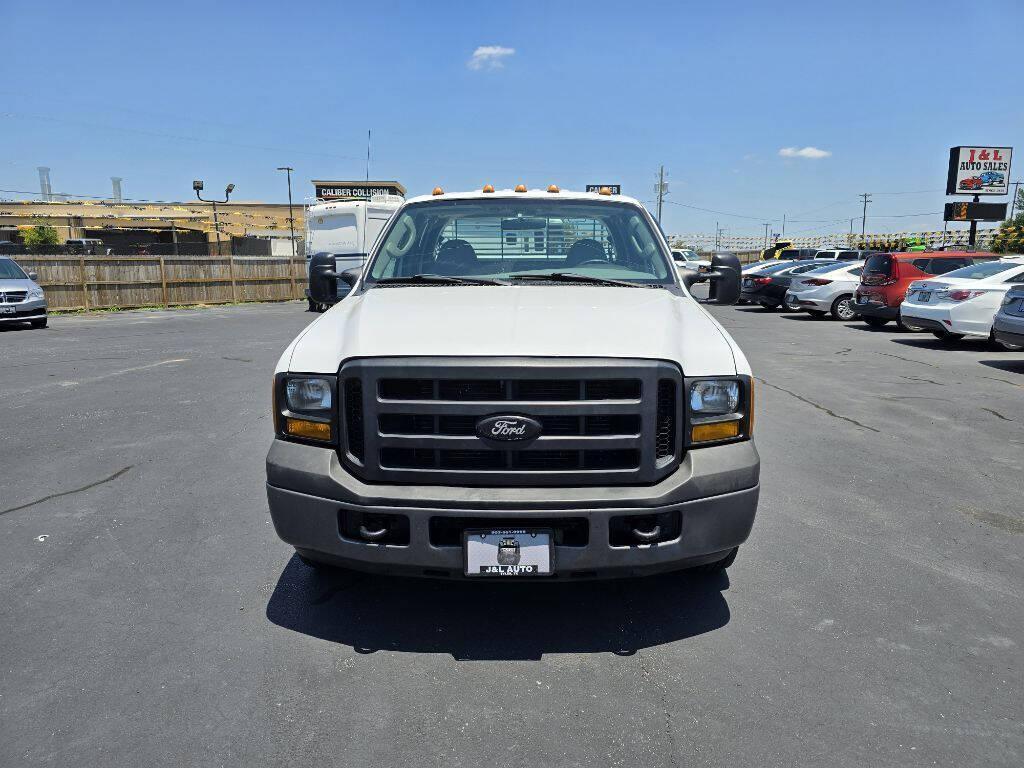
{"x":41,"y":235}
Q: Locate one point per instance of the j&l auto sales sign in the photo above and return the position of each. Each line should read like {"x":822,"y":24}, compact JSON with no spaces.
{"x":979,"y":171}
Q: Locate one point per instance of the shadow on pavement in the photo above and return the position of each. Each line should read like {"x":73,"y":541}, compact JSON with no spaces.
{"x":1010,"y":366}
{"x":489,"y":621}
{"x":930,"y":342}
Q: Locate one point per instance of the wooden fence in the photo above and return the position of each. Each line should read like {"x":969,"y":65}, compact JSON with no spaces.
{"x":100,"y":282}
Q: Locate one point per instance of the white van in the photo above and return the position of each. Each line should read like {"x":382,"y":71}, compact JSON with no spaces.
{"x":346,"y":229}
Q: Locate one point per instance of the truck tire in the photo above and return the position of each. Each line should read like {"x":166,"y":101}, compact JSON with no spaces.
{"x":876,"y":322}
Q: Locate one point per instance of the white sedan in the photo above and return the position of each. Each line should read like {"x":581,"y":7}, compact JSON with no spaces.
{"x":962,"y":302}
{"x":827,"y":289}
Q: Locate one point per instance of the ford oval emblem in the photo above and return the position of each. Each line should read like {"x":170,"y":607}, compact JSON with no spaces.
{"x":508,"y":428}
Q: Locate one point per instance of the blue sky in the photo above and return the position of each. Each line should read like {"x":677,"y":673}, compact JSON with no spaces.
{"x":564,"y":92}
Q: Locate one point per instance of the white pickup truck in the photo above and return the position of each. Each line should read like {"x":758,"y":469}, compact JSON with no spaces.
{"x":519,"y":385}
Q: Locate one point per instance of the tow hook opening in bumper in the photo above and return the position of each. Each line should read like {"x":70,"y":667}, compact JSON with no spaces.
{"x":373,"y":528}
{"x":634,"y":530}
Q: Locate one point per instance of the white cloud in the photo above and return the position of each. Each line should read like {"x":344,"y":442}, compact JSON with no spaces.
{"x":811,"y":153}
{"x":490,"y":57}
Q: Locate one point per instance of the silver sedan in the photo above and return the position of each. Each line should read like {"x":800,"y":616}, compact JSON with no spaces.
{"x":827,"y":289}
{"x":21,"y":297}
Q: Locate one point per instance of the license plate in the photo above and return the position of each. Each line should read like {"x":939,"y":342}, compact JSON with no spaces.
{"x":924,"y":296}
{"x":7,"y":310}
{"x":513,"y":552}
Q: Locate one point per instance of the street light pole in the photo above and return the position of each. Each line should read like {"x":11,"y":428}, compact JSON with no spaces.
{"x":197,"y":185}
{"x":866,"y":197}
{"x":291,"y":218}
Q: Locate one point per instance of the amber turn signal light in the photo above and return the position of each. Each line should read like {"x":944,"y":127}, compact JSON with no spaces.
{"x":437,"y":191}
{"x":488,"y":188}
{"x":604,"y":191}
{"x":311,"y":430}
{"x":520,"y":187}
{"x":553,"y":188}
{"x":721,"y":430}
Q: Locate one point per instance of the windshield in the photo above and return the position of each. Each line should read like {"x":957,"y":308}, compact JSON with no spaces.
{"x":11,"y":271}
{"x":984,"y":269}
{"x":504,"y":239}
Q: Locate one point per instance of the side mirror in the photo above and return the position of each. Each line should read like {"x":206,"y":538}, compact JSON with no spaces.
{"x":33,"y":276}
{"x":323,"y":280}
{"x":725,"y":279}
{"x":351,"y":276}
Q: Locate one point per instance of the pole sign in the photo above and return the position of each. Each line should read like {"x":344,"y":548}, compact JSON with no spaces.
{"x":356,"y":190}
{"x":979,"y":171}
{"x":616,"y":189}
{"x":974,"y":212}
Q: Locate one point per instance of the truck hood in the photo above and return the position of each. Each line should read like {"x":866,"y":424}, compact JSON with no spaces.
{"x":516,"y":321}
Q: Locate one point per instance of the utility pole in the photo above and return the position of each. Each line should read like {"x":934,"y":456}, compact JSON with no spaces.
{"x":291,"y":217}
{"x":849,"y":240}
{"x":766,"y":226}
{"x":1013,"y":200}
{"x":197,"y":185}
{"x":866,"y":197}
{"x":369,"y":134}
{"x":661,"y":189}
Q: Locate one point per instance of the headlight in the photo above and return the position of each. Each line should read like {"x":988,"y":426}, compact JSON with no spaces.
{"x":303,"y":407}
{"x":719,"y":410}
{"x":35,"y":293}
{"x":713,"y":397}
{"x":308,"y":394}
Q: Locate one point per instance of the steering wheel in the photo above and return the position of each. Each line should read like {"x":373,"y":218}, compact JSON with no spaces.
{"x":591,"y":261}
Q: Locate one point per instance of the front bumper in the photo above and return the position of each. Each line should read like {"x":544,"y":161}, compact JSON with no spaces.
{"x":33,"y":309}
{"x":714,"y":491}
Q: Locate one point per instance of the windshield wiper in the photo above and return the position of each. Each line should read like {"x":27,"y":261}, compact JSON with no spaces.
{"x":574,"y":277}
{"x":439,"y":279}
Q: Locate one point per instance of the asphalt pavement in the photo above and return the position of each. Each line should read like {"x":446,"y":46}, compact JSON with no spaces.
{"x":150,"y":616}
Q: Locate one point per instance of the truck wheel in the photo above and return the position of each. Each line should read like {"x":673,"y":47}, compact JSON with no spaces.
{"x":842,"y":309}
{"x":875,"y":322}
{"x":719,"y":565}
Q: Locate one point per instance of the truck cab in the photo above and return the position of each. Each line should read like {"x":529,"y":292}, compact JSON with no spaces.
{"x":339,"y":233}
{"x":516,"y":375}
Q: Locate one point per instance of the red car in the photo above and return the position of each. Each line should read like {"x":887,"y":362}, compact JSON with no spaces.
{"x":886,"y":277}
{"x":974,"y":182}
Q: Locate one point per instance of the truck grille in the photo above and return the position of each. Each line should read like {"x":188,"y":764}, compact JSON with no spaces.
{"x":603,"y":422}
{"x":12,"y":297}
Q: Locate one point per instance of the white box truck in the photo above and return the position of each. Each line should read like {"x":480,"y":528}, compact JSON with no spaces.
{"x":345,"y":230}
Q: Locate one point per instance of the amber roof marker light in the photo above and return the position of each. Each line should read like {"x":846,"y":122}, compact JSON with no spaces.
{"x":604,"y":191}
{"x":437,"y":191}
{"x":488,"y":188}
{"x":553,"y":188}
{"x":520,"y":188}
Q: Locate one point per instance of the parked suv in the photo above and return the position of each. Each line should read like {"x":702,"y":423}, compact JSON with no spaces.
{"x":796,"y":254}
{"x":887,"y":276}
{"x":519,"y":384}
{"x":21,"y":297}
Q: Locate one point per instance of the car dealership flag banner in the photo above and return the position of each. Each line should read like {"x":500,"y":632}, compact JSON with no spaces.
{"x":979,"y":171}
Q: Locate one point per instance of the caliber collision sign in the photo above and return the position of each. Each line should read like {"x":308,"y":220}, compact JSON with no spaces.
{"x":979,"y":171}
